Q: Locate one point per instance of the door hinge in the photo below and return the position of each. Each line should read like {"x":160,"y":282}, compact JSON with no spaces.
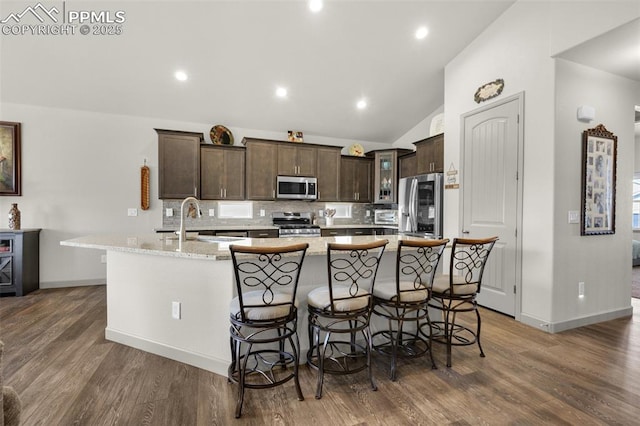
{"x":514,"y":289}
{"x":518,"y":119}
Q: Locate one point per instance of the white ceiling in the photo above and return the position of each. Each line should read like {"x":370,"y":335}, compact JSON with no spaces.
{"x":616,"y":51}
{"x":237,"y":52}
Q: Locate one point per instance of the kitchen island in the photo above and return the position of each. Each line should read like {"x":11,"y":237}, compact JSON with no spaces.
{"x":147,"y":278}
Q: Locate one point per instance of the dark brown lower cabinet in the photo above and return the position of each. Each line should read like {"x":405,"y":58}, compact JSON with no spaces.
{"x":19,"y":261}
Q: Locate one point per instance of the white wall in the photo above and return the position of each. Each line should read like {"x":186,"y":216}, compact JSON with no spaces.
{"x":603,"y":263}
{"x":81,"y":172}
{"x":418,"y":132}
{"x":518,"y":47}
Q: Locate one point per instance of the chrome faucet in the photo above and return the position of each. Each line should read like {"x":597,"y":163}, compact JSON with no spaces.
{"x":183,"y":233}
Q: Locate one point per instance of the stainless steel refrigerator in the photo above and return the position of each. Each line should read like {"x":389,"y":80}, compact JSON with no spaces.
{"x":420,"y":205}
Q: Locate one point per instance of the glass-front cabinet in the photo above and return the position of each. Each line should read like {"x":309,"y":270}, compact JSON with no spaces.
{"x":386,"y":174}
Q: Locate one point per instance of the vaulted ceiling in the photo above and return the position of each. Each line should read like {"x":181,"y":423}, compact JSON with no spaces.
{"x":236,"y":53}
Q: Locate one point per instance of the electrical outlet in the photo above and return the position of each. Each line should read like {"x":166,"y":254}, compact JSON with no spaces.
{"x":262,"y":213}
{"x":132,"y":212}
{"x":581,"y":289}
{"x":212,"y":212}
{"x":175,"y":310}
{"x":367,"y":213}
{"x":320,"y":213}
{"x":168,"y":212}
{"x":103,"y":258}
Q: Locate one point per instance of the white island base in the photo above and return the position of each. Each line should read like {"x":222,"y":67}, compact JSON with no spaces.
{"x":145,"y":276}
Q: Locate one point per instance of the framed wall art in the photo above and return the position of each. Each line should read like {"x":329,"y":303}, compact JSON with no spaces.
{"x":10,"y":169}
{"x":599,"y":147}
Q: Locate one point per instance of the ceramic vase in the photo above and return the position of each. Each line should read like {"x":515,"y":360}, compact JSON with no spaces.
{"x":14,"y":217}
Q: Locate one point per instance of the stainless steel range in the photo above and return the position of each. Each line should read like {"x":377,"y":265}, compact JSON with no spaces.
{"x":295,"y":224}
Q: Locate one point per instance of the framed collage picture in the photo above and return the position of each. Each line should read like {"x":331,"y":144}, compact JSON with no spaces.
{"x":599,"y":147}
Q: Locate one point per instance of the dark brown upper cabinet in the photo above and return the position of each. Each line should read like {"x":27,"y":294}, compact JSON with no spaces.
{"x":178,"y":164}
{"x":430,"y":154}
{"x":222,"y":172}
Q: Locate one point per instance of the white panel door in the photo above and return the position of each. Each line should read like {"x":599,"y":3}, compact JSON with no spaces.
{"x":490,"y":193}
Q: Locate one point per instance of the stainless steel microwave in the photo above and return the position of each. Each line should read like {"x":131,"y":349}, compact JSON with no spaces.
{"x":297,"y":188}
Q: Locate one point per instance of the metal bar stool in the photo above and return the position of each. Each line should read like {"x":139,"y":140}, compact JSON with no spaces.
{"x":456,"y":293}
{"x":343,"y":307}
{"x":264,"y":318}
{"x":403,"y":302}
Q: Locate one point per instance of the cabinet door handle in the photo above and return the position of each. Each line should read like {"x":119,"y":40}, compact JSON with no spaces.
{"x":220,"y":192}
{"x":273,"y":193}
{"x":225,"y":193}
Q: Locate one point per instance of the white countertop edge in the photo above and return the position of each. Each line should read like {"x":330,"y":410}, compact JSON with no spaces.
{"x":158,"y":246}
{"x":150,"y":251}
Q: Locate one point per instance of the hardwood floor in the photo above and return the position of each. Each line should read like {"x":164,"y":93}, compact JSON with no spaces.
{"x":66,"y":373}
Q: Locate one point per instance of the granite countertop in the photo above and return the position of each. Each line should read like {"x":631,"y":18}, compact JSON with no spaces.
{"x":163,"y":245}
{"x":219,"y":228}
{"x":261,"y":227}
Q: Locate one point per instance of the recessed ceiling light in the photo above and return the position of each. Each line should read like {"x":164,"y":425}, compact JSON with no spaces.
{"x":421,"y":33}
{"x":181,"y":76}
{"x":281,"y":92}
{"x":362,"y":104}
{"x":315,"y":5}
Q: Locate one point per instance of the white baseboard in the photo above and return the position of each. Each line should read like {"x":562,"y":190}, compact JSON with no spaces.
{"x":217,"y":366}
{"x":79,"y":283}
{"x":558,"y":327}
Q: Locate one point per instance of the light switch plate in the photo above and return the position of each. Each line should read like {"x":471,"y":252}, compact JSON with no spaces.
{"x":212,"y":212}
{"x":574,"y":216}
{"x":175,"y":310}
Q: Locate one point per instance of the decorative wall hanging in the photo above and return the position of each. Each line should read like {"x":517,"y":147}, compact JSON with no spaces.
{"x":220,"y":135}
{"x":295,"y":136}
{"x":144,"y":187}
{"x":599,"y":147}
{"x":10,"y":166}
{"x":489,"y":90}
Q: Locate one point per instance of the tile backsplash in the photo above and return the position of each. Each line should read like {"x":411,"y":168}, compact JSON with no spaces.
{"x":358,"y":213}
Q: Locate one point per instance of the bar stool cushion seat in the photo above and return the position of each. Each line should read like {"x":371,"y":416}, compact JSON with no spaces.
{"x":408,"y":293}
{"x":320,"y":298}
{"x":441,"y":286}
{"x":266,"y":312}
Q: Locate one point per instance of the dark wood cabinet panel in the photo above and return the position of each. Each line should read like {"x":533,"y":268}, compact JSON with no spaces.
{"x":264,"y":233}
{"x":178,"y":164}
{"x":408,"y":165}
{"x":296,"y":160}
{"x":19,"y":261}
{"x":261,"y":160}
{"x":328,"y":173}
{"x":334,"y":232}
{"x":430,"y":154}
{"x":222,"y":172}
{"x":355,"y":179}
{"x":356,"y":231}
{"x":386,"y":173}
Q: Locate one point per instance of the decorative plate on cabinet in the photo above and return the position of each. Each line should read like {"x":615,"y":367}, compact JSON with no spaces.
{"x":220,"y":135}
{"x":357,"y":150}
